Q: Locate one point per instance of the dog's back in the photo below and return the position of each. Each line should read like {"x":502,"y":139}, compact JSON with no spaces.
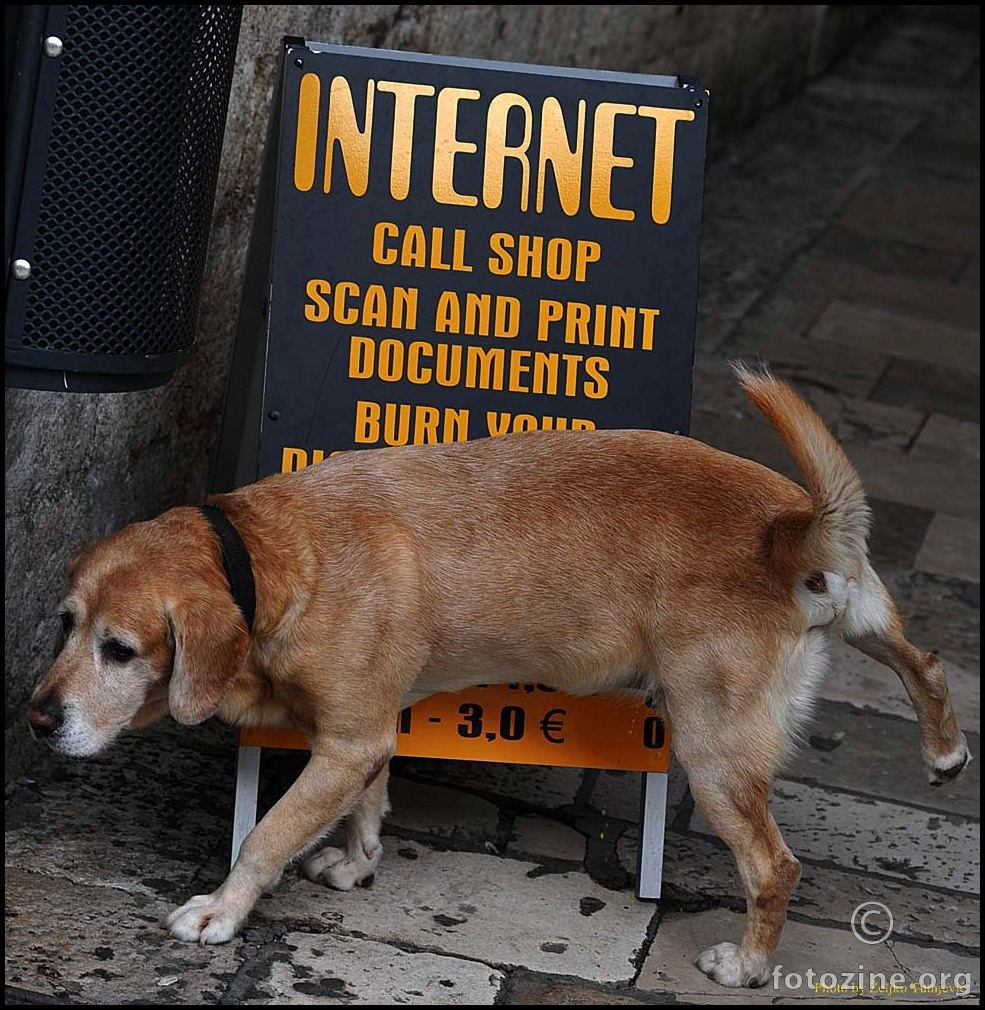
{"x":575,"y":558}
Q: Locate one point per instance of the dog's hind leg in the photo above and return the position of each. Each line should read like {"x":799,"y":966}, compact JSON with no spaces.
{"x":730,"y":773}
{"x":740,"y":815}
{"x":874,"y":626}
{"x":355,"y":864}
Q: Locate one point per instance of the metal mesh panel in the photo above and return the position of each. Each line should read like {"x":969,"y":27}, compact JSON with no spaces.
{"x":129,"y":179}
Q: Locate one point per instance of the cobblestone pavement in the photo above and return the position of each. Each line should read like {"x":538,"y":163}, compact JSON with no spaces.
{"x":841,"y":245}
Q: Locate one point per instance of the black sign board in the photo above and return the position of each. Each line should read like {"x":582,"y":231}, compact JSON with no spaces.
{"x":457,"y":248}
{"x":449,"y":249}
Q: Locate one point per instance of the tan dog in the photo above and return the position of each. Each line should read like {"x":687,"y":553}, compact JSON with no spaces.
{"x":589,"y":561}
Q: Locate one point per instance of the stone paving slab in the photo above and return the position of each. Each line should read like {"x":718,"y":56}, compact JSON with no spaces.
{"x":440,"y":813}
{"x":954,"y":144}
{"x":857,"y":680}
{"x":804,"y":947}
{"x":914,"y":54}
{"x":853,"y":371}
{"x":466,"y":904}
{"x":527,"y":989}
{"x":892,"y":257}
{"x":925,"y":483}
{"x":944,"y":615}
{"x":918,"y":209}
{"x":862,"y":421}
{"x":946,"y":438}
{"x":920,"y":385}
{"x":713,"y":330}
{"x":874,"y":836}
{"x":330,"y":970}
{"x":143,"y":818}
{"x":541,"y":837}
{"x":856,"y":750}
{"x":953,"y":548}
{"x":618,"y":794}
{"x":103,"y":945}
{"x":718,"y":398}
{"x":898,"y":532}
{"x":848,"y":281}
{"x":899,"y":335}
{"x":530,"y":786}
{"x":971,"y":275}
{"x":699,"y":872}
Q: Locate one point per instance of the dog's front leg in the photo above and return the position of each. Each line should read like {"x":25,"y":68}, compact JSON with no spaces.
{"x":336,"y":774}
{"x":356,"y":863}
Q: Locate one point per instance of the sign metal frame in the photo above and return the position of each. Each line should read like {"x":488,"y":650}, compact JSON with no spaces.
{"x":447,"y":249}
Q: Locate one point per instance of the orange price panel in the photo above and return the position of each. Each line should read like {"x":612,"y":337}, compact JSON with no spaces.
{"x":521,"y":724}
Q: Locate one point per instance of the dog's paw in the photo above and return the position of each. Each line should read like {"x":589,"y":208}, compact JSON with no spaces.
{"x":727,"y":965}
{"x":203,"y":919}
{"x":946,"y":769}
{"x":341,"y":869}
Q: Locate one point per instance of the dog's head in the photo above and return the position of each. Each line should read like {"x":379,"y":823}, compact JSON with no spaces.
{"x":148,"y":626}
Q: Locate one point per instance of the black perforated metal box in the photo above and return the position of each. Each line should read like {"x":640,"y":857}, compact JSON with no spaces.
{"x":115,"y":118}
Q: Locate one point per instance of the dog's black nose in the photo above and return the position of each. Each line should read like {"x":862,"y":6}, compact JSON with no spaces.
{"x":45,"y":716}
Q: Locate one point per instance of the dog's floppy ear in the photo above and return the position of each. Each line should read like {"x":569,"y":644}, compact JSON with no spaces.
{"x":211,"y":641}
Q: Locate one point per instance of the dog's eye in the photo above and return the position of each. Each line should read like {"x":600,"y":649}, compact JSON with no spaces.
{"x":117,"y":651}
{"x":65,"y":632}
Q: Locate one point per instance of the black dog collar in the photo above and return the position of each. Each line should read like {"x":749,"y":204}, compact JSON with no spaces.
{"x":235,"y":561}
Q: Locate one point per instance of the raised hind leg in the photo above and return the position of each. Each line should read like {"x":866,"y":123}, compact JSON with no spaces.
{"x":874,"y":626}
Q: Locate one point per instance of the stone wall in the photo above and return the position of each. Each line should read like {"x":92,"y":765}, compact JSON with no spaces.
{"x":80,"y":465}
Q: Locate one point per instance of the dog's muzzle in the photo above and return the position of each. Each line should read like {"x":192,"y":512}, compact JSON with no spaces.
{"x":45,"y":717}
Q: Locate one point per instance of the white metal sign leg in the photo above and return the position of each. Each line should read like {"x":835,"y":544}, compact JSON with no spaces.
{"x":652,"y":825}
{"x":247,"y":786}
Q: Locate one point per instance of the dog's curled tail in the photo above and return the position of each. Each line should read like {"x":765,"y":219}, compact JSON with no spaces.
{"x":838,"y":533}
